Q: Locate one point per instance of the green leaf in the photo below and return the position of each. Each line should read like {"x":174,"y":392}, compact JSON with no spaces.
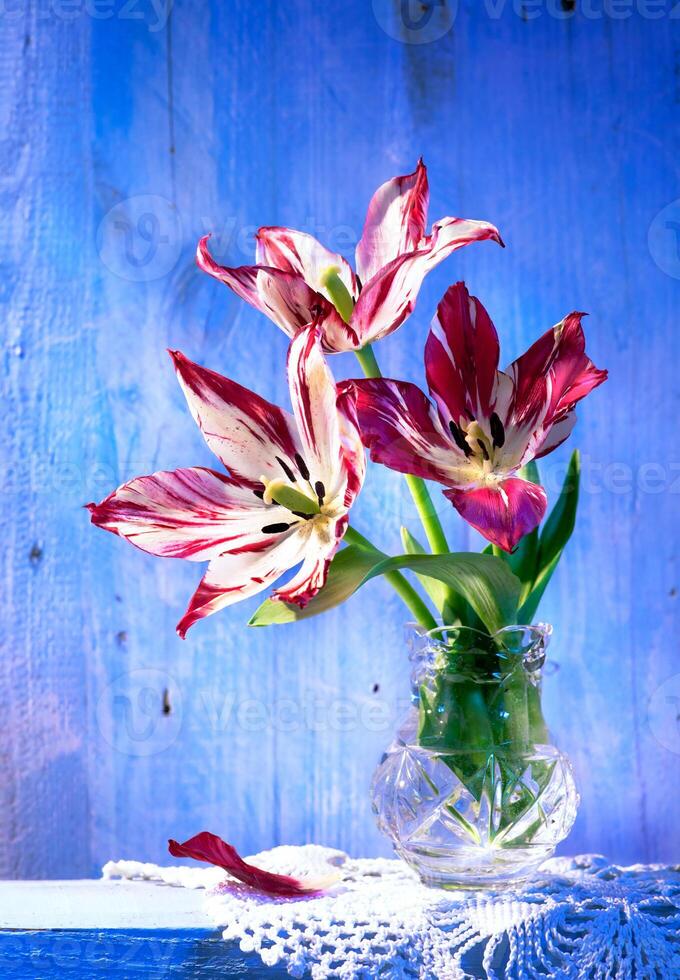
{"x":453,"y":608}
{"x":557,"y":530}
{"x":524,"y":560}
{"x":530,"y":472}
{"x":436,"y":590}
{"x":560,"y":524}
{"x":485,"y":582}
{"x":529,"y":605}
{"x":347,"y":571}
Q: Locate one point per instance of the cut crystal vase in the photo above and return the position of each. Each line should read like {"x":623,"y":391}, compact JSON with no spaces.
{"x":472,"y":791}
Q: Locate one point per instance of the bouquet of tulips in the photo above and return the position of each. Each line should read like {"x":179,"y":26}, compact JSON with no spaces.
{"x":284,"y":500}
{"x":291,"y":479}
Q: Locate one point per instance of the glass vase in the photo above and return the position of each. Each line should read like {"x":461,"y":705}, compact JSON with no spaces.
{"x":472,"y":791}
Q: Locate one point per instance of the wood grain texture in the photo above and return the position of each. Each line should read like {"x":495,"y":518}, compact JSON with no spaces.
{"x":89,"y":954}
{"x":123,"y":140}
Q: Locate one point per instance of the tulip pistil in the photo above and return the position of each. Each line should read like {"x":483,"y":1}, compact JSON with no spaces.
{"x":337,"y":291}
{"x":281,"y":492}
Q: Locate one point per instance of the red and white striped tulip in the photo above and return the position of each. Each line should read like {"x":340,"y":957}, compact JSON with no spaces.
{"x":291,"y":482}
{"x":296,"y":278}
{"x":485,"y":424}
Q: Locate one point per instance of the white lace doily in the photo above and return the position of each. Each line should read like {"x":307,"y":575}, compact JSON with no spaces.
{"x":580,"y":918}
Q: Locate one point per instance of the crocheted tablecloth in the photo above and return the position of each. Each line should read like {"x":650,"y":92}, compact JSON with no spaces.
{"x":580,"y":917}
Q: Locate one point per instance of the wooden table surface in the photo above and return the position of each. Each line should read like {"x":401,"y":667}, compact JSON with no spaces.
{"x":87,"y":929}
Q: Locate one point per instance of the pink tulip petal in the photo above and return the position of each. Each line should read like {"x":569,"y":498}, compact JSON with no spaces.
{"x":390,"y":296}
{"x":311,"y":578}
{"x":402,"y":430}
{"x":352,"y":446}
{"x":313,"y":397}
{"x":233,"y":577}
{"x":283,"y":296}
{"x":461,"y":357}
{"x":503,"y":514}
{"x":213,"y":850}
{"x":301,"y":254}
{"x":395,"y":221}
{"x":553,"y":374}
{"x":321,"y":427}
{"x":251,"y":436}
{"x":192,"y":513}
{"x":450,"y":234}
{"x":554,"y":436}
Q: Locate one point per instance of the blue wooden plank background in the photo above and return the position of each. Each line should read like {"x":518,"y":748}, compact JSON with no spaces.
{"x":127,"y":130}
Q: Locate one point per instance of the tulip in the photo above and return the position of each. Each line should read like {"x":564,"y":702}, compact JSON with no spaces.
{"x":296,"y":279}
{"x":291,"y":482}
{"x":484,"y":424}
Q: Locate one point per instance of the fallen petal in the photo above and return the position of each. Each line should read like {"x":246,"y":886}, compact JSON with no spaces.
{"x":213,"y":850}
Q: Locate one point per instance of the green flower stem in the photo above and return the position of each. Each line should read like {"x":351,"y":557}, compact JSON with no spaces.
{"x":428,"y":515}
{"x":369,"y":365}
{"x":417,"y":486}
{"x":399,"y":583}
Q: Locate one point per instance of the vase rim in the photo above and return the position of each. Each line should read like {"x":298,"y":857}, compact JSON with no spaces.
{"x":529,"y":642}
{"x":541,"y":631}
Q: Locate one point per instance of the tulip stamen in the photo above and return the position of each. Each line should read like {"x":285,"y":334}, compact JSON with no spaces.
{"x":497,"y":431}
{"x":459,"y":438}
{"x":302,"y":466}
{"x":275,"y":528}
{"x":320,"y":491}
{"x":286,"y":469}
